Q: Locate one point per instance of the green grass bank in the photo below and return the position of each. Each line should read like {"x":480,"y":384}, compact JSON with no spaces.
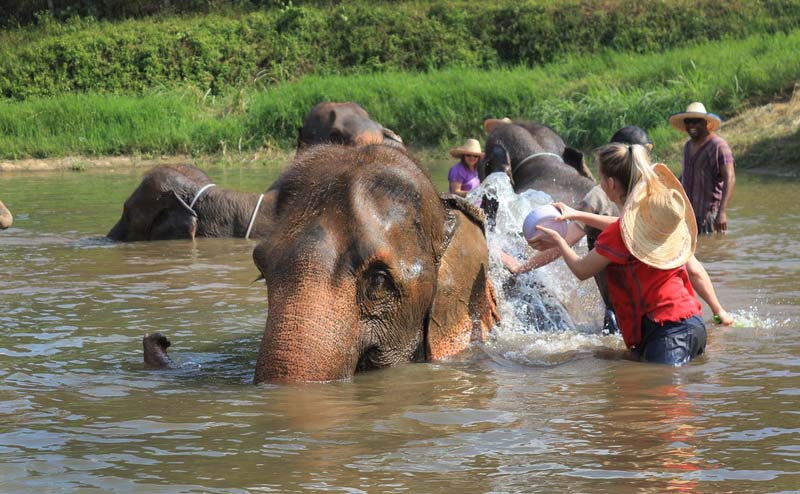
{"x":585,"y":98}
{"x":260,"y":44}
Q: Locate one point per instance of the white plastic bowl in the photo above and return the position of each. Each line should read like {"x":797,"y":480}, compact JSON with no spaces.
{"x":545,"y":216}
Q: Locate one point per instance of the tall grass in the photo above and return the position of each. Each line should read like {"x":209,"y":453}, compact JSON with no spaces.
{"x":284,"y":42}
{"x":584,"y":98}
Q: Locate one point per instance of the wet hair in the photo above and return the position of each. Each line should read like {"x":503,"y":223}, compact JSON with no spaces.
{"x":623,"y":162}
{"x":631,"y":135}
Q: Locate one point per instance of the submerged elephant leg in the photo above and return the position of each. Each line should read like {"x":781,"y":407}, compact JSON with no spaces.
{"x":155,"y":351}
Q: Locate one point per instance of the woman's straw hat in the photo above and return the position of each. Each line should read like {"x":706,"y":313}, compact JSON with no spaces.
{"x":489,"y":123}
{"x":471,"y":147}
{"x":657,"y":220}
{"x":695,"y":110}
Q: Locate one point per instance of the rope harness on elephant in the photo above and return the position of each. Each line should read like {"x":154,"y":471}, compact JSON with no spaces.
{"x":535,"y":155}
{"x":197,"y":196}
{"x":253,"y":218}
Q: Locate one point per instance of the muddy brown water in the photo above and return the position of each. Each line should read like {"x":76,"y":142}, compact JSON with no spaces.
{"x":80,"y":414}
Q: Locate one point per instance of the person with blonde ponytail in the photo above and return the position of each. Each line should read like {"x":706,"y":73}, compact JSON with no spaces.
{"x":646,"y":253}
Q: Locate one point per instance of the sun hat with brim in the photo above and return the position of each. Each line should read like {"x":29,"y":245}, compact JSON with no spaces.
{"x":657,"y":221}
{"x":470,"y":147}
{"x":490,"y":123}
{"x":695,"y":110}
{"x":545,"y":216}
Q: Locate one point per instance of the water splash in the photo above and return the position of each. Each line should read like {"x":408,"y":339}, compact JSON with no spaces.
{"x":752,"y":318}
{"x":548,"y":316}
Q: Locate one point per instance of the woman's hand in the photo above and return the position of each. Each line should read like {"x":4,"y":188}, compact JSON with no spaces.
{"x":722,"y":317}
{"x":541,"y":242}
{"x":510,"y":262}
{"x":553,"y":237}
{"x":567,"y":213}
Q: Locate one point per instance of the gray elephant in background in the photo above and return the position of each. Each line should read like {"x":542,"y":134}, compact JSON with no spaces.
{"x":181,"y":202}
{"x":536,"y":157}
{"x":6,"y":219}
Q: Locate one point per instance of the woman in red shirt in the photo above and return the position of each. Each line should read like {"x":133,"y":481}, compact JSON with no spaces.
{"x":645,"y":252}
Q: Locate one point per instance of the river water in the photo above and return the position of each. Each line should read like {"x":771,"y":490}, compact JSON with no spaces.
{"x":548,"y":410}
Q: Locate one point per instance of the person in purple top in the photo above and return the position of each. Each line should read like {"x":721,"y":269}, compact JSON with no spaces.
{"x":708,"y":175}
{"x":463,"y":176}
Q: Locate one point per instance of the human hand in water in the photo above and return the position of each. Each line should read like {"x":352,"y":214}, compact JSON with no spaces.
{"x":721,"y":222}
{"x":722,"y":317}
{"x":510,"y":262}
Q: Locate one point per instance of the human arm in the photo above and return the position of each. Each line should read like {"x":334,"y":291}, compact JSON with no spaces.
{"x":701,"y":283}
{"x":582,"y":267}
{"x":728,"y":182}
{"x":598,"y":221}
{"x":455,"y":188}
{"x":537,"y":260}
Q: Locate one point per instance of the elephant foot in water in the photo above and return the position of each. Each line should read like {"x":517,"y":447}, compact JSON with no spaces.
{"x":155,"y":351}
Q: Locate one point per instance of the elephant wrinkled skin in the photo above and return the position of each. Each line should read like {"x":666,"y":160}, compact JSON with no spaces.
{"x":367,"y":267}
{"x":5,"y":217}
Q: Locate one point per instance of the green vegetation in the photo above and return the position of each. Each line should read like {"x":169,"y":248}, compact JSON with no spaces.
{"x":585,"y":98}
{"x":244,"y":47}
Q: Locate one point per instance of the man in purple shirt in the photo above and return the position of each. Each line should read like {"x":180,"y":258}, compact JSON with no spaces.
{"x":708,"y":175}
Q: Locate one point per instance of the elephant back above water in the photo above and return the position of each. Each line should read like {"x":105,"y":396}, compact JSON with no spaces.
{"x":536,"y":157}
{"x":5,"y":217}
{"x":367,"y":266}
{"x":343,"y":123}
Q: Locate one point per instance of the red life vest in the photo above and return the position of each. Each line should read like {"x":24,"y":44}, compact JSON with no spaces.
{"x":639,"y":290}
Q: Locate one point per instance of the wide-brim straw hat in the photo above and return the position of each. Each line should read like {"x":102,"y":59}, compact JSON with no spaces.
{"x":470,"y":147}
{"x":657,"y":220}
{"x":489,"y":123}
{"x":695,"y":110}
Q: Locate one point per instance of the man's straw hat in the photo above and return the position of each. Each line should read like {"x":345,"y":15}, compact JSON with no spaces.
{"x":695,"y":110}
{"x":657,"y":220}
{"x":489,"y":123}
{"x":470,"y":147}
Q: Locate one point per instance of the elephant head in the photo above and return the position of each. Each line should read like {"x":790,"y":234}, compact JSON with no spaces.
{"x":367,"y":266}
{"x":156,"y":210}
{"x":5,"y":217}
{"x":343,"y":123}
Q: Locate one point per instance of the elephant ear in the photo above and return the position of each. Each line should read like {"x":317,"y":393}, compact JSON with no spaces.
{"x":464,"y":307}
{"x":574,"y":158}
{"x":176,"y":220}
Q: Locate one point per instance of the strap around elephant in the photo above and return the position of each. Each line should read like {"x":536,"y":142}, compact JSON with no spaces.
{"x":253,"y":218}
{"x":535,"y":155}
{"x":199,"y":193}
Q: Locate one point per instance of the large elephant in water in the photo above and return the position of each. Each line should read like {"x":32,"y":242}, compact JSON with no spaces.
{"x":5,"y":217}
{"x":343,"y":123}
{"x":536,"y":158}
{"x":181,"y":202}
{"x":366,"y":267}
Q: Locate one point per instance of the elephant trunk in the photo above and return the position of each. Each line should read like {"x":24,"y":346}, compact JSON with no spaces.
{"x":117,"y":233}
{"x":307,"y":342}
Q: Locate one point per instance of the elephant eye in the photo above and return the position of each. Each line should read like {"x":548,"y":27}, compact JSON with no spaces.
{"x":377,"y":284}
